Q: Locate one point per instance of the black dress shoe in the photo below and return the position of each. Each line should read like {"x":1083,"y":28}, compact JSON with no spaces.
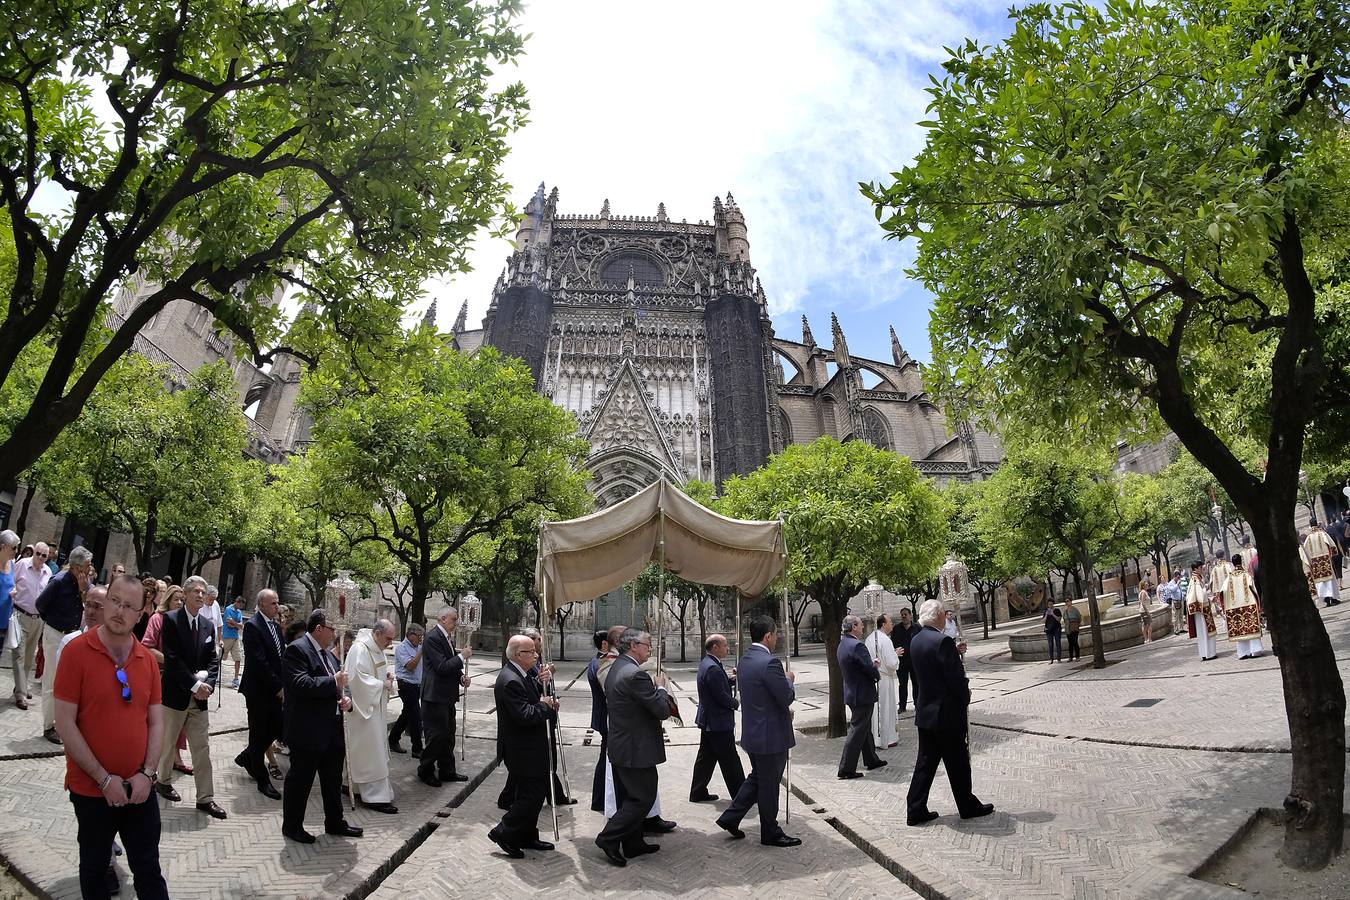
{"x":240,"y":761}
{"x":52,"y":737}
{"x":269,"y":792}
{"x":640,"y":849}
{"x":415,"y":753}
{"x":537,"y":844}
{"x":983,"y":809}
{"x":845,"y":776}
{"x":395,"y":748}
{"x":212,"y":809}
{"x":706,"y":798}
{"x":167,"y":792}
{"x":657,"y":825}
{"x":879,"y":764}
{"x":730,"y":829}
{"x":783,"y":840}
{"x":429,"y":780}
{"x":387,"y":808}
{"x":611,"y":852}
{"x":112,"y":882}
{"x":454,"y":776}
{"x":510,"y":850}
{"x":926,"y":816}
{"x":299,"y":835}
{"x":565,"y":801}
{"x":345,"y":830}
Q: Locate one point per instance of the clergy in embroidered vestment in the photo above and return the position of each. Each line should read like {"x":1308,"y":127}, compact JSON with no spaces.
{"x":1243,"y":611}
{"x":368,"y":679}
{"x":1318,"y":549}
{"x":884,"y":731}
{"x":1219,"y":570}
{"x":1202,"y":615}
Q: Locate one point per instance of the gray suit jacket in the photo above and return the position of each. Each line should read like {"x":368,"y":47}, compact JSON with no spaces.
{"x":636,"y":709}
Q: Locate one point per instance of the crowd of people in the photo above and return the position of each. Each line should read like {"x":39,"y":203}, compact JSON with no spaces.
{"x":135,"y":663}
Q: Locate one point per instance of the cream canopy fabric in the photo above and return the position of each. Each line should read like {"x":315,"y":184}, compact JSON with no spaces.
{"x":585,"y":558}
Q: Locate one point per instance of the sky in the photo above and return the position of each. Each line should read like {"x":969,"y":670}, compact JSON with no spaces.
{"x":787,"y":106}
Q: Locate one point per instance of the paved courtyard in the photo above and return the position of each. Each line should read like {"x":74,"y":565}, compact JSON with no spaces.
{"x":1095,"y":797}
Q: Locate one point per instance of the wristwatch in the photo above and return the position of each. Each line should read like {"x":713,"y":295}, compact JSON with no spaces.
{"x":145,"y":770}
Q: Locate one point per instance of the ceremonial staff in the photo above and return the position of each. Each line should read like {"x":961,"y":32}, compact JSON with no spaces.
{"x":543,"y":624}
{"x":470,"y":613}
{"x":787,"y":662}
{"x":346,"y":744}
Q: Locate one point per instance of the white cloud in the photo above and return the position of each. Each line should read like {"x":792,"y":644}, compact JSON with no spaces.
{"x":788,"y":106}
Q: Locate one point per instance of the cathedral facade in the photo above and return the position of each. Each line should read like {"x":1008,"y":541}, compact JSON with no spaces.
{"x":656,"y":335}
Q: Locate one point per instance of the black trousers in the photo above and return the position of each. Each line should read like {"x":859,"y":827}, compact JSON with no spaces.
{"x":766,"y":771}
{"x":138,"y":825}
{"x":410,"y":720}
{"x":906,"y":676}
{"x":716,"y":748}
{"x":598,"y":780}
{"x":264,"y":727}
{"x":305,"y":764}
{"x":438,"y":754}
{"x":948,"y":747}
{"x":625,"y":827}
{"x":859,"y":739}
{"x":1074,"y":651}
{"x":520,"y":825}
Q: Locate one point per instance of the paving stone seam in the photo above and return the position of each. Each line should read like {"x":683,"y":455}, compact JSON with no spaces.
{"x":381,"y":872}
{"x":52,"y":754}
{"x":1124,"y":743}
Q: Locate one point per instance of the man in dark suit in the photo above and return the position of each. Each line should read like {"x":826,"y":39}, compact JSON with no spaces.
{"x":637,"y":705}
{"x":766,"y":734}
{"x":315,"y":702}
{"x":262,"y":685}
{"x":599,"y":715}
{"x":861,"y":674}
{"x":940,"y":713}
{"x":189,"y":676}
{"x":522,"y":740}
{"x":901,"y":635}
{"x":716,"y":719}
{"x":444,"y":672}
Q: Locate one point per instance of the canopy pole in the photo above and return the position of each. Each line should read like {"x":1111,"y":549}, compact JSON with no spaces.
{"x":543,"y":663}
{"x":787,"y":661}
{"x":661,"y":590}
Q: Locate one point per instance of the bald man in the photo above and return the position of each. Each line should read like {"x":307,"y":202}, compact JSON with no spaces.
{"x":716,"y":720}
{"x":523,"y":714}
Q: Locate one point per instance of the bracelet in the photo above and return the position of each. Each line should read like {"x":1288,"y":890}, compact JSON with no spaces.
{"x":107,"y":779}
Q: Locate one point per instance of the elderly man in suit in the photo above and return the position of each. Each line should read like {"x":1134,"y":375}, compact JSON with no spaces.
{"x":637,"y":705}
{"x":190,"y":675}
{"x":444,"y":672}
{"x":599,"y":715}
{"x":262,"y":685}
{"x":716,"y":720}
{"x":315,"y":701}
{"x":523,"y":714}
{"x":940,"y":714}
{"x":766,"y":734}
{"x":861,"y":674}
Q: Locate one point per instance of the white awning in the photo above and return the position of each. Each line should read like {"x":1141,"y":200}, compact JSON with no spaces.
{"x":581,"y":559}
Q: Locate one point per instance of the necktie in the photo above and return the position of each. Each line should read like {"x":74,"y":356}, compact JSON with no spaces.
{"x":276,"y":637}
{"x":192,"y":627}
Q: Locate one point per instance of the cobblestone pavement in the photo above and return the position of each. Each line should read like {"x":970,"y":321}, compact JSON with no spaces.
{"x":1094,"y":798}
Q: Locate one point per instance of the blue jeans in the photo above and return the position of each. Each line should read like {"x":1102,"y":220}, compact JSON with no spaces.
{"x":1053,"y":646}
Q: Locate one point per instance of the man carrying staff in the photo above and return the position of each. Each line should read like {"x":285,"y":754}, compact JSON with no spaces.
{"x":637,"y":706}
{"x":370,"y":682}
{"x":523,"y":715}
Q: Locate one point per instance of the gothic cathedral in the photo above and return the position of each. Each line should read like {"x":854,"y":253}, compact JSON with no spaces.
{"x":656,"y":335}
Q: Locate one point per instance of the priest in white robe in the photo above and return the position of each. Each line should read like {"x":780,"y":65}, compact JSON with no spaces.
{"x":884,"y":731}
{"x":1318,"y":550}
{"x":370,"y":682}
{"x":1202,"y":616}
{"x":1243,"y":611}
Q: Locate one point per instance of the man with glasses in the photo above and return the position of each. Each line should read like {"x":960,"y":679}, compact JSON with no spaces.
{"x":61,"y":605}
{"x":30,"y":578}
{"x":190,"y":677}
{"x":523,"y":714}
{"x":108,"y":714}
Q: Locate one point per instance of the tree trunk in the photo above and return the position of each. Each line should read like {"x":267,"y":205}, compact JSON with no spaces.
{"x":1314,"y":702}
{"x":831,"y":618}
{"x":22,"y":521}
{"x":417,"y":605}
{"x":147,"y":551}
{"x":1094,"y":618}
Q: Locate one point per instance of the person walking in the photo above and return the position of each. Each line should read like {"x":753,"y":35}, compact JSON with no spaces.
{"x":263,"y":686}
{"x":446,"y":670}
{"x":716,"y":720}
{"x":523,"y":716}
{"x":766,"y":734}
{"x":861,"y":675}
{"x":942,"y":719}
{"x":1073,"y":624}
{"x":1054,"y":625}
{"x":408,"y":672}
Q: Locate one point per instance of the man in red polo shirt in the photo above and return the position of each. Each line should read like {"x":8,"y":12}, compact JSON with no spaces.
{"x":108,"y":715}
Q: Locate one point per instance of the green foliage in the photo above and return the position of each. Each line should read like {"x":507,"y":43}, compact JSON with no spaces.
{"x":427,"y":448}
{"x":160,"y":464}
{"x":851,"y":512}
{"x":220,"y":152}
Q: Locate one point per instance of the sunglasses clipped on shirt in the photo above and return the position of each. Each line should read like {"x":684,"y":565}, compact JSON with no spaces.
{"x":126,"y":686}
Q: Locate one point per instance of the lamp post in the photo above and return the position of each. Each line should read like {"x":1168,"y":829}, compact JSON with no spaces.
{"x":1308,"y":500}
{"x":873,"y":599}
